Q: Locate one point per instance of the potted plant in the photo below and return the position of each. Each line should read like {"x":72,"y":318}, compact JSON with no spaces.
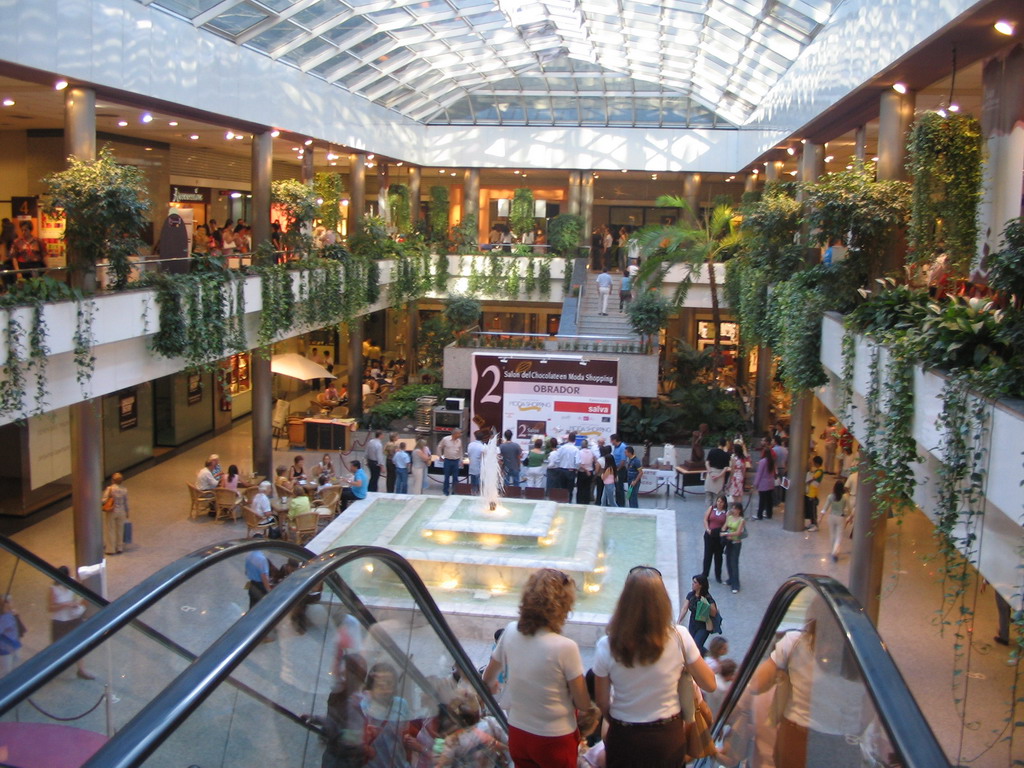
{"x":104,"y":204}
{"x":648,"y":314}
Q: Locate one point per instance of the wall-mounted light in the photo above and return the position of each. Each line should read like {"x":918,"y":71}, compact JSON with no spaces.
{"x":1004,"y":27}
{"x":899,"y":87}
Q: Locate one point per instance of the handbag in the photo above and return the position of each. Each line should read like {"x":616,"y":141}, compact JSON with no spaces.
{"x":127,"y":538}
{"x":696,"y":713}
{"x":108,"y":503}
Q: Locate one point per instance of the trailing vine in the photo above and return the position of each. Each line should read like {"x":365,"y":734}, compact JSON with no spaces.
{"x":544,"y":278}
{"x":849,"y":357}
{"x":944,"y":157}
{"x":83,"y":340}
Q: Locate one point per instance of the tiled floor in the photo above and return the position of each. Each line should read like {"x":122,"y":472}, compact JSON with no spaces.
{"x":910,"y":620}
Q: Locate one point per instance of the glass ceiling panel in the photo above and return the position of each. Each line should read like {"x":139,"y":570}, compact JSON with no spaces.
{"x":466,"y":54}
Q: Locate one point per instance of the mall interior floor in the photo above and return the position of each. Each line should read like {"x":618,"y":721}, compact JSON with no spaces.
{"x":914,"y":623}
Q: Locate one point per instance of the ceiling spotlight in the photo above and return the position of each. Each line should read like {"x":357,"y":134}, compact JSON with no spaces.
{"x":146,"y":117}
{"x":803,"y":141}
{"x":874,"y":159}
{"x":307,"y":142}
{"x":239,"y":137}
{"x":296,"y":149}
{"x":829,"y":158}
{"x":942,"y":112}
{"x":516,"y":172}
{"x":624,"y":170}
{"x":524,"y":175}
{"x":229,"y":135}
{"x":173,"y":123}
{"x":792,"y":173}
{"x":441,"y":171}
{"x":400,"y":163}
{"x":790,"y":151}
{"x":8,"y":102}
{"x":899,"y":87}
{"x":148,"y":149}
{"x":954,"y":107}
{"x":654,"y":177}
{"x":370,"y":156}
{"x":236,"y":195}
{"x":333,"y":163}
{"x":849,"y":167}
{"x":754,"y":171}
{"x":194,"y":137}
{"x":275,"y":133}
{"x":454,"y":173}
{"x":597,"y":176}
{"x":122,"y":123}
{"x":1004,"y":27}
{"x":60,"y":85}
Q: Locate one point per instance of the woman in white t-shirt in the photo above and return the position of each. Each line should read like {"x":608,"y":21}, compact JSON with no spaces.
{"x":637,"y":667}
{"x":67,"y":611}
{"x":545,"y":683}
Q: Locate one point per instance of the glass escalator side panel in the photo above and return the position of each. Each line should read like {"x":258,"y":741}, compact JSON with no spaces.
{"x":358,"y":676}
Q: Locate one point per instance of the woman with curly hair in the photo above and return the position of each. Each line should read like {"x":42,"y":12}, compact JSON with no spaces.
{"x":641,"y":659}
{"x":545,"y":684}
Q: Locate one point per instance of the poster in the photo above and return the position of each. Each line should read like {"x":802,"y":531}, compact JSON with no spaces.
{"x":128,"y":409}
{"x":535,"y":396}
{"x":49,"y":447}
{"x":51,"y":232}
{"x":195,"y":388}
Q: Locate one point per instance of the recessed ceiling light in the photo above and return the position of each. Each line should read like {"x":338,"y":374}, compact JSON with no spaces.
{"x":333,"y":163}
{"x":624,"y":170}
{"x":275,"y":134}
{"x":790,"y":151}
{"x":454,"y":174}
{"x":229,"y":135}
{"x":942,"y":112}
{"x":954,"y":107}
{"x":236,"y":195}
{"x":173,"y":123}
{"x":516,"y":172}
{"x":307,"y":142}
{"x":400,"y":163}
{"x":874,"y":159}
{"x":122,"y":123}
{"x":296,"y":149}
{"x":899,"y":87}
{"x":849,"y":168}
{"x":792,"y":173}
{"x":754,"y":171}
{"x":828,"y":159}
{"x":60,"y":85}
{"x":441,"y":171}
{"x":8,"y":102}
{"x":148,"y":149}
{"x":194,"y":136}
{"x":1005,"y":27}
{"x":370,"y":156}
{"x":239,"y":137}
{"x":146,"y":117}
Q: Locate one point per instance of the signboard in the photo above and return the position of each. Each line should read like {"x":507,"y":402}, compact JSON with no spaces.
{"x":51,"y":232}
{"x":190,"y":194}
{"x":551,"y":395}
{"x":128,"y":409}
{"x":195,"y":388}
{"x":24,"y":207}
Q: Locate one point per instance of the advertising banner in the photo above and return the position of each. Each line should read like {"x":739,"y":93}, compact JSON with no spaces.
{"x":550,"y":395}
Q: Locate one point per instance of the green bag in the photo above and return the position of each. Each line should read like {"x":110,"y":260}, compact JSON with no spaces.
{"x":702,"y":610}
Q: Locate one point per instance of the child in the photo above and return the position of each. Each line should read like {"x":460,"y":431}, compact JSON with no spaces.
{"x":813,"y":482}
{"x":467,"y":745}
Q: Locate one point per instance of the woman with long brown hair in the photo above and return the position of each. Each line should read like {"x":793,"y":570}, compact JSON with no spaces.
{"x":545,"y":685}
{"x":641,"y":659}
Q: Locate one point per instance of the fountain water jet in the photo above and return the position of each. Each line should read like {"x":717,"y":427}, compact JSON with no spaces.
{"x":491,"y":483}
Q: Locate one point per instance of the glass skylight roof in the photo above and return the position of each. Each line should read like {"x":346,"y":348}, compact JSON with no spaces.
{"x":678,"y":63}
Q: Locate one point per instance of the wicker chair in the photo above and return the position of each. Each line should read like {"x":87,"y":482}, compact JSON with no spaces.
{"x":303,"y":527}
{"x":202,"y":501}
{"x":226,"y":503}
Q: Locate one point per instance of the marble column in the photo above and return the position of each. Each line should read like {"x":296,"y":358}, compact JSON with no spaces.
{"x":415,"y":177}
{"x":307,"y":172}
{"x":896,"y":111}
{"x":86,"y":417}
{"x":586,"y":207}
{"x":357,"y":190}
{"x":868,"y":557}
{"x":471,"y":196}
{"x":572,"y":204}
{"x":1002,"y":125}
{"x":750,"y":183}
{"x":799,"y":450}
{"x":691,"y":194}
{"x":355,"y":367}
{"x":773,"y":170}
{"x":259,"y":364}
{"x":860,"y":143}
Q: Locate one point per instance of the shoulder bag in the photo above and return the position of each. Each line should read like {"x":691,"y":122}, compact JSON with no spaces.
{"x":695,"y":711}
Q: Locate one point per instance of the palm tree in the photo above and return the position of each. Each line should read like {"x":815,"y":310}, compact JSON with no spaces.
{"x":665,"y":245}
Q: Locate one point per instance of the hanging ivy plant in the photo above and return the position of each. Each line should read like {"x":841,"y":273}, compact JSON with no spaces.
{"x":441,"y":273}
{"x":437,"y":217}
{"x":398,"y":207}
{"x":278,"y":314}
{"x":544,"y":277}
{"x":796,"y":312}
{"x":530,"y":278}
{"x":329,"y":189}
{"x":465,"y":236}
{"x":944,"y":157}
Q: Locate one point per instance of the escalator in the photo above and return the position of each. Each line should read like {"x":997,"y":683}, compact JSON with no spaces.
{"x":260,"y":680}
{"x":190,"y":676}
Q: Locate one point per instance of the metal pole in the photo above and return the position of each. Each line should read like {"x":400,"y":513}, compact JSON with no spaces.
{"x":259,"y":364}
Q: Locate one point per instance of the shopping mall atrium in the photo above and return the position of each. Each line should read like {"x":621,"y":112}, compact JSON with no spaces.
{"x":219,"y":213}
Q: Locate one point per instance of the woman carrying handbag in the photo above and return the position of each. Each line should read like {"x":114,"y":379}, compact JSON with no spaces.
{"x":645,"y":669}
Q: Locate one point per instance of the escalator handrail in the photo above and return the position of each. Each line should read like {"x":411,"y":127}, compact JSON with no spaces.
{"x":41,"y":565}
{"x":897,"y":709}
{"x":157,"y":720}
{"x":100,"y":602}
{"x":27,"y":678}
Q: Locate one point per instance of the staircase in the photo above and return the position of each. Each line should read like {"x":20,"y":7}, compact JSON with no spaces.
{"x":616,"y":324}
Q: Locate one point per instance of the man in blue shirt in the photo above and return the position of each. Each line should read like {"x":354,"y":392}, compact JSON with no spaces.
{"x":257,"y":571}
{"x":357,"y":486}
{"x":619,"y":456}
{"x":401,"y":461}
{"x":634,"y":473}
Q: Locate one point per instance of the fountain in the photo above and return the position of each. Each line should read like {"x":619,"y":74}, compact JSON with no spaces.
{"x":476,"y":551}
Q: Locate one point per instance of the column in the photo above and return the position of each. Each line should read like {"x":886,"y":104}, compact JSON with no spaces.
{"x":572,"y":204}
{"x":773,"y":170}
{"x":799,"y":445}
{"x":869,"y":527}
{"x":259,"y":363}
{"x":860,"y":143}
{"x":357,"y":190}
{"x":415,"y":177}
{"x":355,"y":367}
{"x":812,"y":162}
{"x":691,"y":194}
{"x":1002,"y":125}
{"x":750,"y":183}
{"x":307,"y":172}
{"x":471,"y":195}
{"x":86,"y":417}
{"x":586,"y":207}
{"x":762,"y":389}
{"x":896,"y":111}
{"x":411,"y":332}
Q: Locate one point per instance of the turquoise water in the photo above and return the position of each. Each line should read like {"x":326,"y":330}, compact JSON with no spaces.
{"x":518,"y":512}
{"x":629,"y":540}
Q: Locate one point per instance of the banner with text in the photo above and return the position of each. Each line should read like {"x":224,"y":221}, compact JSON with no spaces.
{"x":538,"y":396}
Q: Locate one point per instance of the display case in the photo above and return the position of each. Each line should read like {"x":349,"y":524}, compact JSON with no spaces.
{"x":239,"y":374}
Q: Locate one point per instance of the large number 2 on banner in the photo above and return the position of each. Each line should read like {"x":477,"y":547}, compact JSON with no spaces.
{"x":489,"y":396}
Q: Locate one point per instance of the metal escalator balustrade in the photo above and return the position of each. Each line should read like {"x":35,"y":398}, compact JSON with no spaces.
{"x":818,"y":688}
